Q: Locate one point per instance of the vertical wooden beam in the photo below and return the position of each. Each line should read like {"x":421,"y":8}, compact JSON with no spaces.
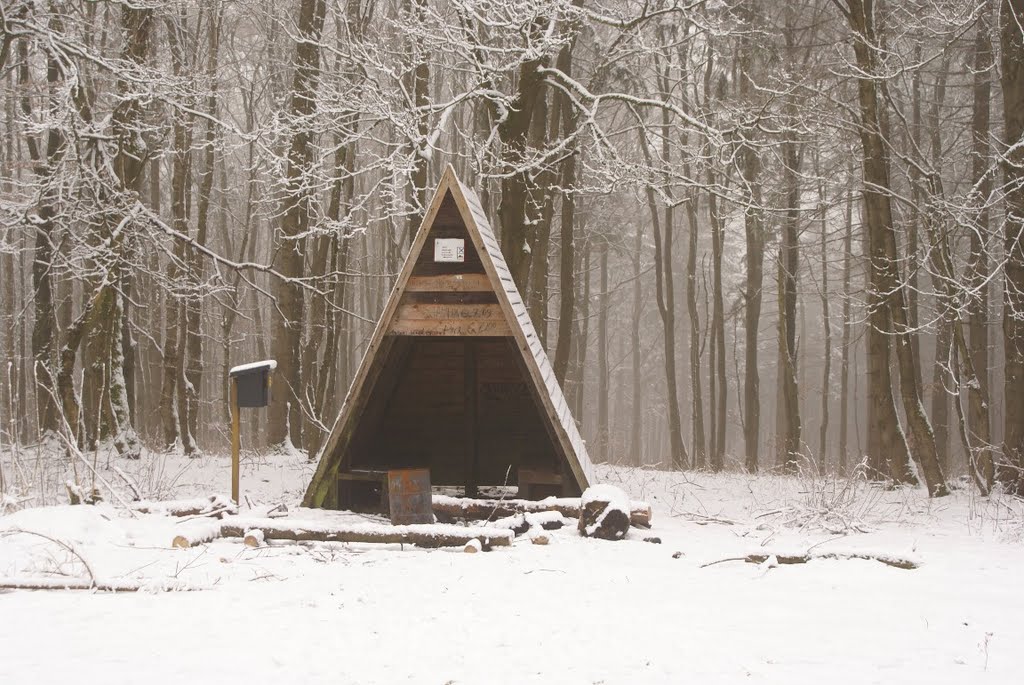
{"x":472,"y":416}
{"x":236,"y":442}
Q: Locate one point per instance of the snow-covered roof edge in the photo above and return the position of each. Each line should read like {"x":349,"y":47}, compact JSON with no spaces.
{"x":524,"y":324}
{"x":269,"y":364}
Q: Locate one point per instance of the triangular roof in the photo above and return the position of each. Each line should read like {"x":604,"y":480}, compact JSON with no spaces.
{"x":553,"y":407}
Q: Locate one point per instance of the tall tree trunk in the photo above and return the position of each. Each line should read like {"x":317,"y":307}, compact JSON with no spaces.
{"x":696,"y":393}
{"x":129,"y":164}
{"x":421,"y":101}
{"x":323,"y":321}
{"x":635,"y":439}
{"x":44,"y":320}
{"x":604,"y":303}
{"x":886,"y":283}
{"x":666,"y":308}
{"x":717,"y":392}
{"x":103,"y":357}
{"x":942,"y":377}
{"x":663,"y":275}
{"x":1012,"y":79}
{"x":887,"y":454}
{"x":285,"y":415}
{"x":566,"y":275}
{"x":844,"y":363}
{"x":754,"y":228}
{"x":518,"y":236}
{"x":172,"y":412}
{"x":789,"y":265}
{"x":977,"y":416}
{"x":576,"y":377}
{"x":826,"y":322}
{"x":547,"y":178}
{"x":753,"y":225}
{"x":913,"y":228}
{"x":193,"y":370}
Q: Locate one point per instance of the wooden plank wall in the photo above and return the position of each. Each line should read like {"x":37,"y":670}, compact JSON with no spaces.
{"x":455,"y":399}
{"x":425,"y":421}
{"x":445,"y":299}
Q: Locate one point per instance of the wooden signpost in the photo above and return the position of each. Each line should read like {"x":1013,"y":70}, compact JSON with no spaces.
{"x":250,"y":387}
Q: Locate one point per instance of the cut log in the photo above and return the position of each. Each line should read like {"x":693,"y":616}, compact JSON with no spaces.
{"x":605,"y":513}
{"x":253,"y":538}
{"x":472,"y":547}
{"x":427,"y":535}
{"x":196,"y":533}
{"x":448,"y":509}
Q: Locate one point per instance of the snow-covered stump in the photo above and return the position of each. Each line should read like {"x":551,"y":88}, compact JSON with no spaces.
{"x":604,"y":513}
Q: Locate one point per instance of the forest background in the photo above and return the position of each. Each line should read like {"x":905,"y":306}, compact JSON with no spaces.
{"x":751,"y":234}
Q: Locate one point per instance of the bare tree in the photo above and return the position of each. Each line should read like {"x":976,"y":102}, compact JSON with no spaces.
{"x":1012,"y":81}
{"x":285,"y":415}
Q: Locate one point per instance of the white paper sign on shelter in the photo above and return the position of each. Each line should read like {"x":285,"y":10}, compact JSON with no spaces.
{"x":449,"y":250}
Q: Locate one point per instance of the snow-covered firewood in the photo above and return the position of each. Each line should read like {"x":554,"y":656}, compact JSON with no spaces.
{"x":467,"y":509}
{"x":196,"y":533}
{"x":605,"y":513}
{"x":538,"y":538}
{"x":254,"y":538}
{"x":214,"y":505}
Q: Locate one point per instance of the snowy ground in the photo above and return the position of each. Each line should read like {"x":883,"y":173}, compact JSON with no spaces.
{"x":576,"y":611}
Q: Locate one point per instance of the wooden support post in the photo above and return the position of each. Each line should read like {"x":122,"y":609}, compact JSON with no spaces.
{"x":236,"y":440}
{"x":472,"y":418}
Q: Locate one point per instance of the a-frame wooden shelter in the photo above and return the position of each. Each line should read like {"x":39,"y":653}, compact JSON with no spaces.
{"x":454,"y":378}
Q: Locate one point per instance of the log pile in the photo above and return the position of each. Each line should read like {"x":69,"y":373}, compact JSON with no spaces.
{"x":449,"y":509}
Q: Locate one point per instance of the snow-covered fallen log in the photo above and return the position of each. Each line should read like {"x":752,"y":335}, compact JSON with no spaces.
{"x":214,"y":505}
{"x":48,"y":583}
{"x":521,"y":523}
{"x":196,"y":533}
{"x":448,"y":508}
{"x":787,"y":559}
{"x":427,"y":535}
